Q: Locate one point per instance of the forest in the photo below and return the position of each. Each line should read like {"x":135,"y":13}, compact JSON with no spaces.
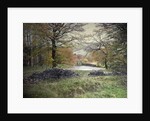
{"x":75,"y":60}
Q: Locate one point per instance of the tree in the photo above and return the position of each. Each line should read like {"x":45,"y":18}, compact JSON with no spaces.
{"x":110,"y":41}
{"x":54,"y":35}
{"x":100,"y":45}
{"x":59,"y":34}
{"x":65,"y":56}
{"x":33,"y":44}
{"x":27,"y":47}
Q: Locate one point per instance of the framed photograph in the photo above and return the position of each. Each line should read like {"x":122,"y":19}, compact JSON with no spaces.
{"x":74,"y":60}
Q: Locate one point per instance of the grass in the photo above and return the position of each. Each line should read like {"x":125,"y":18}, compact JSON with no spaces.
{"x":77,"y":87}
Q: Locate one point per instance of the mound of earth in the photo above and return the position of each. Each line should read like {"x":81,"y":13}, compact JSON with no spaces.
{"x":119,"y":73}
{"x":101,"y":73}
{"x":54,"y":73}
{"x":96,"y":73}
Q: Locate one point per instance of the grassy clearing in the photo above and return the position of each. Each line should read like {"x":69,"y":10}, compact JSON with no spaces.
{"x":78,"y":87}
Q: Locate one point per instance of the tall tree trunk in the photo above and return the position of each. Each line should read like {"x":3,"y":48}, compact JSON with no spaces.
{"x":106,"y":66}
{"x":54,"y":64}
{"x":32,"y":62}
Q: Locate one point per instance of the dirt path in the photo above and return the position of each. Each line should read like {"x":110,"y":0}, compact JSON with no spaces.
{"x":86,"y":68}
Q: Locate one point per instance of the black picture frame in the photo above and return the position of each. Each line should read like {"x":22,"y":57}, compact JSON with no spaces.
{"x":26,"y":3}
